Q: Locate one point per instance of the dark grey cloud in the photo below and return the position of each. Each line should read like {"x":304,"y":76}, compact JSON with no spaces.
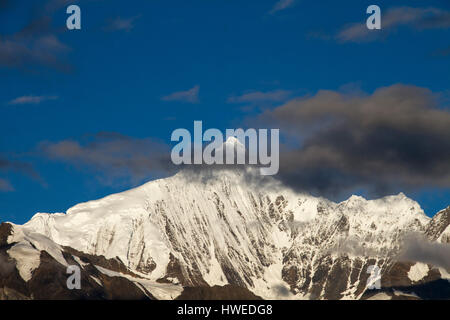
{"x":115,"y":158}
{"x":41,"y":51}
{"x":5,"y":185}
{"x":418,"y":249}
{"x":392,"y":19}
{"x":338,"y":143}
{"x":37,"y":44}
{"x":8,"y":165}
{"x":18,"y":166}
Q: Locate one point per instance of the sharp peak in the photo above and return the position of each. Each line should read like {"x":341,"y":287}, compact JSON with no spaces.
{"x":233,"y":140}
{"x":398,"y":196}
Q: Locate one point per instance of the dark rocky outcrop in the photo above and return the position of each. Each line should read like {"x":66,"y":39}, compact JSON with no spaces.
{"x":48,"y":281}
{"x":227,"y":292}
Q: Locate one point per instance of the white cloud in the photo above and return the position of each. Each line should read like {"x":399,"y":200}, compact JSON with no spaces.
{"x":31,"y":99}
{"x":282,"y":5}
{"x":261,"y":97}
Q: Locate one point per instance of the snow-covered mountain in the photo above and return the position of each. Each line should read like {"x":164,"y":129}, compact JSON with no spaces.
{"x":226,"y":229}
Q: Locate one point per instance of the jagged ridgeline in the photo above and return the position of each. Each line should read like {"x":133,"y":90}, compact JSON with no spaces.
{"x":222,"y":234}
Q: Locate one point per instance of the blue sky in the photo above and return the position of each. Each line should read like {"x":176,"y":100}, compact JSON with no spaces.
{"x":141,"y":69}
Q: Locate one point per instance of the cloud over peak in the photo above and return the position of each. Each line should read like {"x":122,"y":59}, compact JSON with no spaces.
{"x":398,"y":136}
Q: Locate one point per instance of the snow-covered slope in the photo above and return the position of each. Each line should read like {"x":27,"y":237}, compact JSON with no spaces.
{"x":218,"y":227}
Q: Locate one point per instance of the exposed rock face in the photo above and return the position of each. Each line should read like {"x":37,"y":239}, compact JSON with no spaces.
{"x":438,"y":226}
{"x":49,"y":279}
{"x":222,"y":235}
{"x":5,"y":232}
{"x":227,"y":292}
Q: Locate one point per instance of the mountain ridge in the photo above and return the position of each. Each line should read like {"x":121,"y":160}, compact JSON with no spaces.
{"x":226,"y":228}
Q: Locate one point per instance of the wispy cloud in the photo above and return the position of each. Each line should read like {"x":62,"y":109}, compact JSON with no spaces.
{"x":5,"y":186}
{"x":21,"y":52}
{"x":418,"y":249}
{"x":31,"y":99}
{"x":261,"y":97}
{"x":14,"y":165}
{"x":121,"y":24}
{"x":442,"y":52}
{"x":36,"y":44}
{"x":190,"y":96}
{"x":392,"y":19}
{"x":115,"y":158}
{"x":282,"y":5}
